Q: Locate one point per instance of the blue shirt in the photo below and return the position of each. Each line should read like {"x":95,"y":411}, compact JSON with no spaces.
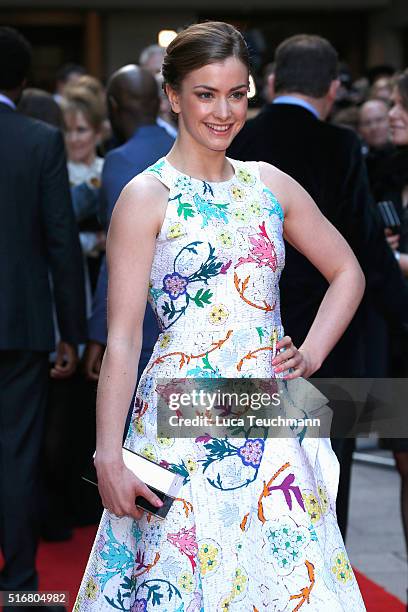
{"x":146,"y":146}
{"x":297,"y":102}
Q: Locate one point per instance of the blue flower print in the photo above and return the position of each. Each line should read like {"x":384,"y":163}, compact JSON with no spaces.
{"x":251,"y":452}
{"x":140,"y":605}
{"x":175,"y":285}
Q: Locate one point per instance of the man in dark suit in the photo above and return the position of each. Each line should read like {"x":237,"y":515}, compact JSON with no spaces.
{"x":326,"y":160}
{"x":133,"y":104}
{"x":38,"y":237}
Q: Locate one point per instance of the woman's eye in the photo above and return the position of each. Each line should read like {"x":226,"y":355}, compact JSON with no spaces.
{"x":238,"y":95}
{"x":205,"y":95}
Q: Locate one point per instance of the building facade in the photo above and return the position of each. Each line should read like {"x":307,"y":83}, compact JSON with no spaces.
{"x":105,"y":34}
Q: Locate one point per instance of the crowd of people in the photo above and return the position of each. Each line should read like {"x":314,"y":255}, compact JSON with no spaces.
{"x":65,"y":159}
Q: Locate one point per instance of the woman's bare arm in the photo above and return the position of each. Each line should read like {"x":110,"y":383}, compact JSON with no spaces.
{"x":316,"y":238}
{"x":135,"y":223}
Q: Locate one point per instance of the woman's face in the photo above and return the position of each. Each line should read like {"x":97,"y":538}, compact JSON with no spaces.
{"x":80,"y":137}
{"x":398,"y":116}
{"x":212,"y":103}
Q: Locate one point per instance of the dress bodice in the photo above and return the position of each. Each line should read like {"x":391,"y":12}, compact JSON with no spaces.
{"x":219,"y":254}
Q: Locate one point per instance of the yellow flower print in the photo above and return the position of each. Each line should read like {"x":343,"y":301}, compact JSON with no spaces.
{"x":149,"y":452}
{"x":186,"y":581}
{"x":240,"y":215}
{"x":91,"y":589}
{"x":245,"y":177}
{"x":165,"y":442}
{"x":139,"y":426}
{"x":165,"y":341}
{"x":313,"y":507}
{"x":324,"y":498}
{"x":237,"y":193}
{"x":341,"y":568}
{"x":208,"y":558}
{"x":255,"y":208}
{"x":274,"y":336}
{"x":240,"y":581}
{"x":225,"y":605}
{"x":191,"y":465}
{"x":175,"y":231}
{"x":225,"y":239}
{"x":218,"y":314}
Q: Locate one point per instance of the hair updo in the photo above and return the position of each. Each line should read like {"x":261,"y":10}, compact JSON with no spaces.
{"x":199,"y":45}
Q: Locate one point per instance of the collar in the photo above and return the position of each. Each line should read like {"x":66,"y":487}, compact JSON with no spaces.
{"x":5,"y":100}
{"x":296,"y":102}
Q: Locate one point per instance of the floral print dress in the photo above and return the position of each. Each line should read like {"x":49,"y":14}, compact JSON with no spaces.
{"x":254,"y":528}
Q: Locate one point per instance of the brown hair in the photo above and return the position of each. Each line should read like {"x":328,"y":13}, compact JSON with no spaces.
{"x":305,"y":64}
{"x":199,"y":45}
{"x":401,"y":82}
{"x":81,"y":99}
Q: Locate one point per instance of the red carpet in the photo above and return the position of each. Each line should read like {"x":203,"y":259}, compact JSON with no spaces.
{"x":61,"y":566}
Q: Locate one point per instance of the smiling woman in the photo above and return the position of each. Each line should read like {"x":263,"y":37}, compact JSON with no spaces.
{"x":201,"y":236}
{"x":206,"y":77}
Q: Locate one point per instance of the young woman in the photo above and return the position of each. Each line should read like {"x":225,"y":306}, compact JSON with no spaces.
{"x":254,"y":528}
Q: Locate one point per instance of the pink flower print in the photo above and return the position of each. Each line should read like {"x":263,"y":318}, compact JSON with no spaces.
{"x":139,"y":605}
{"x":185,"y":541}
{"x":262,"y":251}
{"x":224,"y":268}
{"x":251,"y":452}
{"x":288,"y":489}
{"x":175,"y":285}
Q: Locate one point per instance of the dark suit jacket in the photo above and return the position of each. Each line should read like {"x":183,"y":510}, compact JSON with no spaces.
{"x":147,"y":145}
{"x":327,"y":161}
{"x":38,"y":236}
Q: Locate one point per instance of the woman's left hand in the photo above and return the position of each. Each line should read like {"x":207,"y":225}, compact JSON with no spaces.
{"x":291,"y":357}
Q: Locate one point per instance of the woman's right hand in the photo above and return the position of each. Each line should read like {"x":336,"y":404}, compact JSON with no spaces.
{"x":119,"y":487}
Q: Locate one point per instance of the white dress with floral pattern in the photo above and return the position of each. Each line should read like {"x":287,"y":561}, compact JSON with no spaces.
{"x":254,"y":528}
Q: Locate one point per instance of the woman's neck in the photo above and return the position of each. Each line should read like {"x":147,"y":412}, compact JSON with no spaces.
{"x":197,"y":161}
{"x":87,"y":161}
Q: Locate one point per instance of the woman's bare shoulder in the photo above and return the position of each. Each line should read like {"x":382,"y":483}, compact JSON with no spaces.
{"x":272,"y":175}
{"x":146,"y":186}
{"x":143,"y":199}
{"x":283,"y":186}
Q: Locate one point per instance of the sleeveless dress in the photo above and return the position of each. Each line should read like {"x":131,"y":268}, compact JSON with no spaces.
{"x":254,"y":528}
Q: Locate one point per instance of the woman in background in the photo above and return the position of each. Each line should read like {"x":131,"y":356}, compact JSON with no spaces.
{"x":83,"y":118}
{"x":395,"y":188}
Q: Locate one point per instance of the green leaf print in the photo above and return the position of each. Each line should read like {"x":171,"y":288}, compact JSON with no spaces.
{"x":260,"y":333}
{"x":184,"y":209}
{"x":202,"y":297}
{"x":169,"y":309}
{"x":154,"y":594}
{"x":207,"y":364}
{"x":153,"y":590}
{"x":211,"y":267}
{"x":218,"y":449}
{"x":120,"y":603}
